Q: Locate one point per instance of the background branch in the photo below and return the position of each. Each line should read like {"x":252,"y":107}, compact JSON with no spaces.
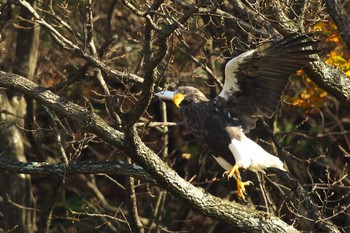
{"x":84,"y":167}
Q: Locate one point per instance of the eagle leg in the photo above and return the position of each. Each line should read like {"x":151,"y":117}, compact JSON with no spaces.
{"x":234,"y":172}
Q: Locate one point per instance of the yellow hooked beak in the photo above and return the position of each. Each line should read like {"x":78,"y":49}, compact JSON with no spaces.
{"x":178,"y":98}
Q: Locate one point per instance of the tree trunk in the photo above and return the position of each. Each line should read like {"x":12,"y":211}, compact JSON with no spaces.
{"x":15,"y":189}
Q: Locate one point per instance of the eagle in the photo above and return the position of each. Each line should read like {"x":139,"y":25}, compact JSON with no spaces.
{"x":254,"y":84}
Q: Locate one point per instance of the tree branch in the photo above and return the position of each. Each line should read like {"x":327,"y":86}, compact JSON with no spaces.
{"x":234,"y":214}
{"x":89,"y":121}
{"x":85,"y":167}
{"x":331,"y":79}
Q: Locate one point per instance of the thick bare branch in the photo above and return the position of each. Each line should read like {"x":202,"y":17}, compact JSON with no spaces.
{"x":81,"y":116}
{"x":331,"y":79}
{"x":234,"y":214}
{"x":85,"y":167}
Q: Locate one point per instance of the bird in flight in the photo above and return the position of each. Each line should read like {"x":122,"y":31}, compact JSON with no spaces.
{"x":254,"y":83}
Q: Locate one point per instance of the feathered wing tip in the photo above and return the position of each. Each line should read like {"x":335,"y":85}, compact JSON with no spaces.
{"x":296,"y":45}
{"x":295,"y":40}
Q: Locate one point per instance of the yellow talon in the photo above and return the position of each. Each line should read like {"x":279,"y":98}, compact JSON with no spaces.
{"x":241,"y":188}
{"x":234,"y":172}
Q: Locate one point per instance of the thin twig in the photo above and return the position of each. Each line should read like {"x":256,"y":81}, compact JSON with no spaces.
{"x":135,"y":222}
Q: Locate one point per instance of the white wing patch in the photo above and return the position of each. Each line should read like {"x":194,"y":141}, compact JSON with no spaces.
{"x":249,"y":155}
{"x":230,"y":74}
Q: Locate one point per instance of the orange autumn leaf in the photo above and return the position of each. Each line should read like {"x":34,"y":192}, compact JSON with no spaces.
{"x":311,"y":97}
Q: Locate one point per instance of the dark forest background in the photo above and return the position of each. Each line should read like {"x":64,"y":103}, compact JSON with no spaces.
{"x":82,"y":138}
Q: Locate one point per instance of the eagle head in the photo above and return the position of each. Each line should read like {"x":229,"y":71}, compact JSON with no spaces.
{"x":187,"y":94}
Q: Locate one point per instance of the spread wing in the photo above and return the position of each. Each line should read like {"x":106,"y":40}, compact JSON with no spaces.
{"x":256,"y":79}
